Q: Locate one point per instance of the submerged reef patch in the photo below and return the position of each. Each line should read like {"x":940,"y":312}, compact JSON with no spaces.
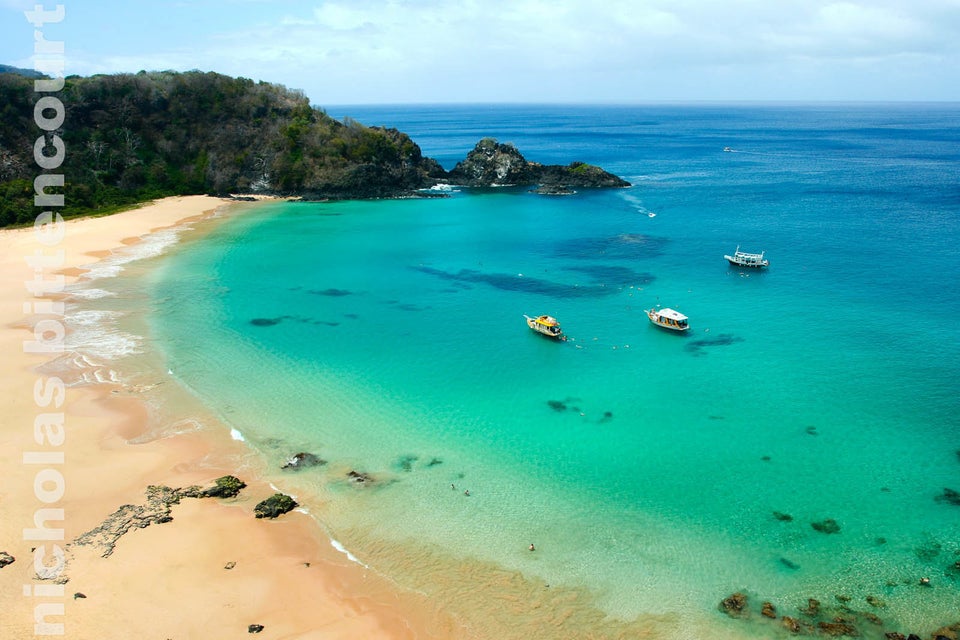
{"x":696,"y":347}
{"x":521,"y":283}
{"x":614,"y":276}
{"x":629,"y":246}
{"x":828,"y":525}
{"x":334,"y":293}
{"x":405,"y":463}
{"x":821,"y":619}
{"x":267,"y":322}
{"x":950,"y":496}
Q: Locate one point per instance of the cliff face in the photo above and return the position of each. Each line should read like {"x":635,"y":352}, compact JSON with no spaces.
{"x":491,"y":163}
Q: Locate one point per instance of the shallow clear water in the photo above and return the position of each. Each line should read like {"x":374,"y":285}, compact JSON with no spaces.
{"x":646,"y":466}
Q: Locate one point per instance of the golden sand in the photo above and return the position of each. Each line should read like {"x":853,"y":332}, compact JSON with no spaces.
{"x":167,"y":580}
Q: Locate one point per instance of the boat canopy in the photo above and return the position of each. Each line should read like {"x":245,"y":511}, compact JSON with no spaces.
{"x":670,"y":313}
{"x":547,"y":320}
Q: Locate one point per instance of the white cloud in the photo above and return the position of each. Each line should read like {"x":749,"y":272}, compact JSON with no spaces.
{"x":409,"y":50}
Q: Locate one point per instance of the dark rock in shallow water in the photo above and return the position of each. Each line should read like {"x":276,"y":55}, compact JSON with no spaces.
{"x":557,"y":405}
{"x":405,"y":463}
{"x":791,"y":624}
{"x":265,"y":322}
{"x":894,"y":635}
{"x":837,"y":629}
{"x":5,"y":559}
{"x":275,"y":506}
{"x":826,"y":526}
{"x":793,"y":566}
{"x":782,"y":517}
{"x":434,"y":462}
{"x":303,"y":460}
{"x":949,"y":496}
{"x":359,"y":477}
{"x":224,"y":487}
{"x":768,"y":610}
{"x":813,"y":608}
{"x":874,"y":601}
{"x":929,"y":550}
{"x":953,"y":571}
{"x":734,"y":605}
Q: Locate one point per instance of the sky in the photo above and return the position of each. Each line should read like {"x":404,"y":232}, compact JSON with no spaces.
{"x":351,"y":52}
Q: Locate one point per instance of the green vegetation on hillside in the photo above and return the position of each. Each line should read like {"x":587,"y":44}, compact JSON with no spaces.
{"x":135,"y":137}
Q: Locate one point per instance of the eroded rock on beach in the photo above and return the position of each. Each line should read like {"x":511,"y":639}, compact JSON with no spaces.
{"x":5,"y":559}
{"x":224,"y":487}
{"x":275,"y":506}
{"x":156,"y":510}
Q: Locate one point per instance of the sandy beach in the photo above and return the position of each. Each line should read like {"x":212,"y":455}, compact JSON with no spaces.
{"x":211,"y":571}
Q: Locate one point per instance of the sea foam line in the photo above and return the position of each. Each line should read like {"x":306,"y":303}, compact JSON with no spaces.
{"x":150,"y":245}
{"x":342,"y":549}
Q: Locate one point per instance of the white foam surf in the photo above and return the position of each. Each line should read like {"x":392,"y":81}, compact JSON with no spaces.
{"x":352,"y":558}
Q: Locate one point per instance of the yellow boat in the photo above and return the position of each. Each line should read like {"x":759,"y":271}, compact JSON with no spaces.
{"x":546,"y":325}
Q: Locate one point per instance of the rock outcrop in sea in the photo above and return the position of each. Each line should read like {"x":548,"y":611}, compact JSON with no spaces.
{"x":493,"y":164}
{"x":303,"y":460}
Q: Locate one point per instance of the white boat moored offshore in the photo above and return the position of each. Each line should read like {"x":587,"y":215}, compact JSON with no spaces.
{"x":668,"y":319}
{"x":744,"y":259}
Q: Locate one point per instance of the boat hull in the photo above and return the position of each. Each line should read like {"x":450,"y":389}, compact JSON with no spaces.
{"x":749,"y":265}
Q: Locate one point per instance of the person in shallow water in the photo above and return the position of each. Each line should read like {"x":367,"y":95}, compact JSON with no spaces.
{"x":532,"y":548}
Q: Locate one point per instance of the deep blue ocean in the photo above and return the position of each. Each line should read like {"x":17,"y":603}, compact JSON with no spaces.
{"x":656,"y":473}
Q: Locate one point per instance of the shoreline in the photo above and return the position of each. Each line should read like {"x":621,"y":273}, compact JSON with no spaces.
{"x":285,"y":574}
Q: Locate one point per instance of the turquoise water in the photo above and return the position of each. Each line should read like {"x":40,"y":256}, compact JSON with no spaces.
{"x":646,"y":466}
